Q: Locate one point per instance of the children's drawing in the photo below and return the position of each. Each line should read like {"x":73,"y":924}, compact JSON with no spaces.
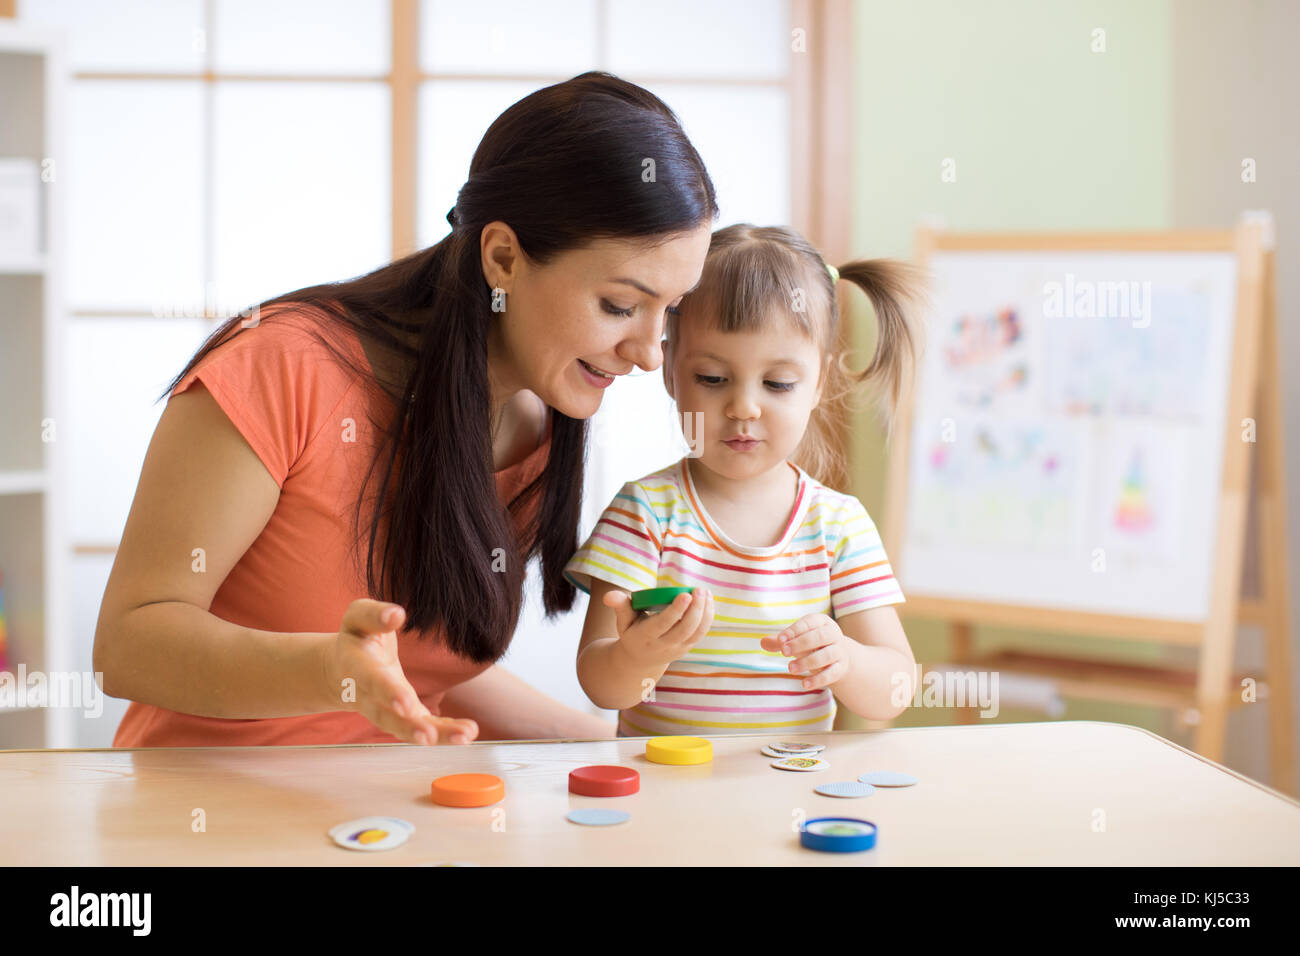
{"x":999,"y":485}
{"x":983,"y":357}
{"x":1142,"y":478}
{"x":1122,"y":366}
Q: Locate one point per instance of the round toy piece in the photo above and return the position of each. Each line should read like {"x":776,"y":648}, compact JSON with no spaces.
{"x":838,"y":834}
{"x":654,"y":600}
{"x":887,"y":778}
{"x":678,"y":750}
{"x":801,"y":764}
{"x":589,"y":817}
{"x":468,"y":790}
{"x":793,"y":748}
{"x":847,"y":789}
{"x":372,"y":833}
{"x":604,"y":780}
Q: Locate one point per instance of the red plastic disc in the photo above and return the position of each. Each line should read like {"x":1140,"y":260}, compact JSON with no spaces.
{"x":604,"y":780}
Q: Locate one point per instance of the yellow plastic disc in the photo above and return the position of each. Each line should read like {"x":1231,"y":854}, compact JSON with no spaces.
{"x":678,"y":750}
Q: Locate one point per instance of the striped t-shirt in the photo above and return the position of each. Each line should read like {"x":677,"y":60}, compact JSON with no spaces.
{"x":657,"y":533}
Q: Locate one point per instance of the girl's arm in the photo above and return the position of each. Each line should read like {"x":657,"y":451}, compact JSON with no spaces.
{"x":507,"y":708}
{"x":864,"y":658}
{"x":621,"y":657}
{"x":882,"y":667}
{"x":607,"y":674}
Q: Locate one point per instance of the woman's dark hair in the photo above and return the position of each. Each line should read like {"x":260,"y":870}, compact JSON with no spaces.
{"x":564,"y":166}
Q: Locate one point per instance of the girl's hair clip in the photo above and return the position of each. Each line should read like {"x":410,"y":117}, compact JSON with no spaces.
{"x":835,"y":273}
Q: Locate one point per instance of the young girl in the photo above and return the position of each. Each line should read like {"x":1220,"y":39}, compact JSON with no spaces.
{"x":792,"y":588}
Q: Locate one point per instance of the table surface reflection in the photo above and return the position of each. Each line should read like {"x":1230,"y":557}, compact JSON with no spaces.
{"x":1053,"y":793}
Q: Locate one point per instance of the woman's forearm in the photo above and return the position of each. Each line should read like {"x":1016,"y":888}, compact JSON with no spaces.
{"x":508,"y":708}
{"x":180,"y":657}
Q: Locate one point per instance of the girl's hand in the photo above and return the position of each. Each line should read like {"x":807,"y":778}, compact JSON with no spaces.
{"x":365,"y":655}
{"x":655,"y":640}
{"x":819,"y":649}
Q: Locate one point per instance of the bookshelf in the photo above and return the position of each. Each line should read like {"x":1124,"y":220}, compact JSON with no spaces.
{"x":32,"y":564}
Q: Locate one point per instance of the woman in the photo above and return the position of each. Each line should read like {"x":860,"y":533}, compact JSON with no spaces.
{"x":417,"y":433}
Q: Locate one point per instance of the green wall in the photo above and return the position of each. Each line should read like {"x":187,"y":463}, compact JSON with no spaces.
{"x":1045,"y":135}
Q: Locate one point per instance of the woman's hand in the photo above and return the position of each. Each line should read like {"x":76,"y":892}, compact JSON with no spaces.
{"x":363,"y":671}
{"x":819,"y":648}
{"x":656,"y":640}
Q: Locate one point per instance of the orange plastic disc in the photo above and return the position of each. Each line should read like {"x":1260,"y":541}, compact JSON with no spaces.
{"x":468,"y":790}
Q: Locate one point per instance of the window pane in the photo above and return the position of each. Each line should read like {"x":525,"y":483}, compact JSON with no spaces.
{"x":303,"y":181}
{"x":114,"y":371}
{"x":303,"y":36}
{"x":508,"y":36}
{"x":453,"y":118}
{"x":133,"y":181}
{"x":745,"y":38}
{"x":143,"y":35}
{"x":636,"y":431}
{"x":743,"y":135}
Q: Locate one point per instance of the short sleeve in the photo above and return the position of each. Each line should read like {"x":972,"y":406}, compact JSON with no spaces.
{"x":624,"y":547}
{"x":861,"y":577}
{"x":276,"y":383}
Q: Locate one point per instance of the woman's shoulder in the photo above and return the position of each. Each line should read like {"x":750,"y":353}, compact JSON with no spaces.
{"x":298,"y":333}
{"x":279,"y":377}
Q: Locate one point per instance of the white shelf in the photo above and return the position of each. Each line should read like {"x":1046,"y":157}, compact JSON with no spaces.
{"x":34,"y":78}
{"x":22,"y":482}
{"x":17,"y":710}
{"x":23,"y":267}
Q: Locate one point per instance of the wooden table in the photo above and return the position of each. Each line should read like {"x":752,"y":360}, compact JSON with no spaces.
{"x":1067,"y":792}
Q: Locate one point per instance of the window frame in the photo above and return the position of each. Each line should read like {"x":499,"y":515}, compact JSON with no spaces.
{"x":818,"y":83}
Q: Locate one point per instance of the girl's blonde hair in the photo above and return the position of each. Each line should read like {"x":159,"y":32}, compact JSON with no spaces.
{"x":754,"y":273}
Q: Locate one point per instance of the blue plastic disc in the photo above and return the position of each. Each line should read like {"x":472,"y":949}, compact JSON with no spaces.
{"x":838,"y":834}
{"x":851,"y":788}
{"x":887,"y":778}
{"x":597,"y":817}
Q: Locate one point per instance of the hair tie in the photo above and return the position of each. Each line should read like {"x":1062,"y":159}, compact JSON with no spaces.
{"x":451,"y":216}
{"x":835,"y":273}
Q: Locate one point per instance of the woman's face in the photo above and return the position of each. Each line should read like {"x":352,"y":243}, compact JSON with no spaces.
{"x":571,"y":326}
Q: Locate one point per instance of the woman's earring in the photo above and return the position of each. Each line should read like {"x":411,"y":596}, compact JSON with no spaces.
{"x":498,"y":300}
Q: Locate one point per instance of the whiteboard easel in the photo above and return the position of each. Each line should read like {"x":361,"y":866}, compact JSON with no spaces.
{"x":1205,"y":695}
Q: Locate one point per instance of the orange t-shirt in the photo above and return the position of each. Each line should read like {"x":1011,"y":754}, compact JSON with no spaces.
{"x":297,"y":406}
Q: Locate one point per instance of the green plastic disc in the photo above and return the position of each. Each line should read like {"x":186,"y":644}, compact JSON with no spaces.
{"x":656,"y":599}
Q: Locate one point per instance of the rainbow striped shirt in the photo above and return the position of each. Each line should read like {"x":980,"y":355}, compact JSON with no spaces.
{"x":657,"y":533}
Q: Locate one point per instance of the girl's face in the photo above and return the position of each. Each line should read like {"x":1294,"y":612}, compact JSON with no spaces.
{"x":591,"y":314}
{"x":753,"y":391}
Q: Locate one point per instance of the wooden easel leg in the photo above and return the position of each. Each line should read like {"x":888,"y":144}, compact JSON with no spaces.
{"x":961,"y":646}
{"x":1275,"y":593}
{"x":1219,"y":638}
{"x":1212,"y":730}
{"x":1281,"y":736}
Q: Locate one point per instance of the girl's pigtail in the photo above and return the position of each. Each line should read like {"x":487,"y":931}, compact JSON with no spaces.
{"x":898,"y":292}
